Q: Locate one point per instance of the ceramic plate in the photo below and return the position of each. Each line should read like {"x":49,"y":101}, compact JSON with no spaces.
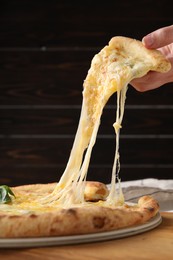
{"x":78,"y":239}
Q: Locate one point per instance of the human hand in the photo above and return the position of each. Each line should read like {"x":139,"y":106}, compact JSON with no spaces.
{"x":161,"y":39}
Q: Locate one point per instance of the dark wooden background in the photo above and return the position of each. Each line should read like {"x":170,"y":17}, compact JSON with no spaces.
{"x":45,"y":52}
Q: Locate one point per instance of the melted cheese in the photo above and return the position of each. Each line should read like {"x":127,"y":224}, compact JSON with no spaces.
{"x":110,"y":72}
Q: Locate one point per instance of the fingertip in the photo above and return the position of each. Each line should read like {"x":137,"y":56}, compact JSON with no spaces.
{"x":148,"y":41}
{"x":143,"y":41}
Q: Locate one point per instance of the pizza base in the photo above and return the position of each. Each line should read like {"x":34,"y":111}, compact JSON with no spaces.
{"x":85,"y":219}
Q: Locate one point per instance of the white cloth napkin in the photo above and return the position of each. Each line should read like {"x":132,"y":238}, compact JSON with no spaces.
{"x":162,"y":190}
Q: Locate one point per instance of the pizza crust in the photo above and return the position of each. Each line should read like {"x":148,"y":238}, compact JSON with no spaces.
{"x":95,"y":191}
{"x":88,"y":218}
{"x":155,"y":60}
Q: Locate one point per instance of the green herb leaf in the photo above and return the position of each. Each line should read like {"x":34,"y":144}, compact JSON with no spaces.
{"x":6,"y":194}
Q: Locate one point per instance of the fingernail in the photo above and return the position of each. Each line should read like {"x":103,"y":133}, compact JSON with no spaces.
{"x":148,"y":40}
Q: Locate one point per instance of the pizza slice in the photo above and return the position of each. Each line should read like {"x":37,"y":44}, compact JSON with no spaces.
{"x":111,"y":70}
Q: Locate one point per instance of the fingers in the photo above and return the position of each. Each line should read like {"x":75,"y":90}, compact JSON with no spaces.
{"x":167,"y":51}
{"x":151,"y":81}
{"x":159,"y":38}
{"x":154,"y":79}
{"x":145,"y":83}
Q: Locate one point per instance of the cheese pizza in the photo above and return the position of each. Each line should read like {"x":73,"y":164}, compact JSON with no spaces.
{"x":74,"y":205}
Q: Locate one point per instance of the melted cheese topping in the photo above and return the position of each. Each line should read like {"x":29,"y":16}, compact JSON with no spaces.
{"x":111,"y":71}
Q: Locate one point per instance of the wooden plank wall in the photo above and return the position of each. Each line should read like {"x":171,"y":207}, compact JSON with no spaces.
{"x":45,"y":52}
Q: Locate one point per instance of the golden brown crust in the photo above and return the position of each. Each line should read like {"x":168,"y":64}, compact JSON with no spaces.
{"x":95,"y":191}
{"x":135,"y":48}
{"x":76,"y":220}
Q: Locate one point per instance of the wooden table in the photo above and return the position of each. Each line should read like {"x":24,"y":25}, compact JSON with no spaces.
{"x":154,"y":244}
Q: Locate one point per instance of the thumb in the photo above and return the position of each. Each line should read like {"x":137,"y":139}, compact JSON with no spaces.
{"x":159,"y":38}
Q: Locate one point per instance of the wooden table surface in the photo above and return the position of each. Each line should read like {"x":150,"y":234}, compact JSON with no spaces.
{"x":154,"y":244}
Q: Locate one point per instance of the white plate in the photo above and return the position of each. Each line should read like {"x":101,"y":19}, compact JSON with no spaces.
{"x":78,"y":239}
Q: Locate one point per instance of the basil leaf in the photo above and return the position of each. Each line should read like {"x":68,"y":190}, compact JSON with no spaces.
{"x":6,"y":194}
